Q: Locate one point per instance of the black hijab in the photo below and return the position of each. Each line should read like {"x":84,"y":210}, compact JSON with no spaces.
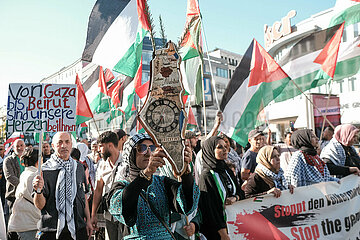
{"x":208,"y":155}
{"x":301,"y":139}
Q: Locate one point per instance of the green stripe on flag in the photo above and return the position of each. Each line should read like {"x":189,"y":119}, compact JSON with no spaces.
{"x":265,"y":93}
{"x":100,"y":104}
{"x":346,"y":68}
{"x":350,"y":15}
{"x":81,"y":119}
{"x":129,"y":63}
{"x":218,"y":186}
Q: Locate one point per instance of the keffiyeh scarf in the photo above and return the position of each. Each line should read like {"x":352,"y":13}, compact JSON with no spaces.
{"x":65,"y":192}
{"x":335,"y":152}
{"x":279,"y":179}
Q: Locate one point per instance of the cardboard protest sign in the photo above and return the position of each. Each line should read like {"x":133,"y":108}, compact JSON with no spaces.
{"x":41,"y":107}
{"x":321,"y":211}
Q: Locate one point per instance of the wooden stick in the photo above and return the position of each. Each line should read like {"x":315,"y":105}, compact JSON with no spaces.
{"x":97,"y":129}
{"x":111,"y":115}
{"x":327,"y":105}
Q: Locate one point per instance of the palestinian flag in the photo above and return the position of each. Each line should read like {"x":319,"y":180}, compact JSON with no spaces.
{"x":299,"y":61}
{"x":115,"y":34}
{"x":98,"y":100}
{"x":191,"y":124}
{"x":256,"y":82}
{"x":83,"y":111}
{"x":191,"y":52}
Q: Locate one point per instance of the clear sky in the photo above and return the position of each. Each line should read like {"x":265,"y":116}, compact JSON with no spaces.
{"x":39,"y":37}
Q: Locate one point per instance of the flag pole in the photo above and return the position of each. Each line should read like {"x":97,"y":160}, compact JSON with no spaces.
{"x":324,"y":116}
{"x":97,"y":129}
{"x":111,"y":115}
{"x":204,"y":104}
{"x":208,"y":58}
{"x":327,"y":105}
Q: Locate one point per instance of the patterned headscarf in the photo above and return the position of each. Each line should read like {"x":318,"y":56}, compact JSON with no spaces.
{"x":267,"y":171}
{"x":130,"y":171}
{"x":344,"y":133}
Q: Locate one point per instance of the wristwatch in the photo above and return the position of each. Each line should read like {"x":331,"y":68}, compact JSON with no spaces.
{"x":39,"y":192}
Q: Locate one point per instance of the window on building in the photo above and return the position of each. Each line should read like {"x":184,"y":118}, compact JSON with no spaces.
{"x":206,"y":69}
{"x":344,"y":37}
{"x":236,"y":62}
{"x":145,"y":77}
{"x":221,"y":72}
{"x":351,"y":84}
{"x":230,"y":73}
{"x":356,"y":30}
{"x":146,"y":57}
{"x":341,"y":85}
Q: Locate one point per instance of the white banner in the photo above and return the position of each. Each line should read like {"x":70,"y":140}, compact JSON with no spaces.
{"x":35,"y":107}
{"x":321,"y":211}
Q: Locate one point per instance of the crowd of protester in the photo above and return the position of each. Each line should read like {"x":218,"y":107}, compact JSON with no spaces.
{"x":122,"y":187}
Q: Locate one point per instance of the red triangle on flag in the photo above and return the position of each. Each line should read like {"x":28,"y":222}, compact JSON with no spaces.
{"x":191,"y":117}
{"x":263,"y":67}
{"x":108,"y":75}
{"x":328,"y":56}
{"x":102,"y":84}
{"x":82,"y":105}
{"x":83,"y":124}
{"x":143,"y":90}
{"x":114,"y":92}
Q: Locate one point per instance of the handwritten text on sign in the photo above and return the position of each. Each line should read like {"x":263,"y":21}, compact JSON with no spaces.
{"x":36,"y":107}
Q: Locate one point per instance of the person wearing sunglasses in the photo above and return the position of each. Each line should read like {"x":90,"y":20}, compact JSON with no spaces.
{"x":142,"y":200}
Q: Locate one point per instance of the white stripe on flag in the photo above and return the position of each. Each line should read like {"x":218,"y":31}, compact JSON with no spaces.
{"x":118,"y":38}
{"x":236,"y":106}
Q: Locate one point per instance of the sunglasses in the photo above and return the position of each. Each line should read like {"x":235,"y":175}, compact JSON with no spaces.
{"x":143,"y":148}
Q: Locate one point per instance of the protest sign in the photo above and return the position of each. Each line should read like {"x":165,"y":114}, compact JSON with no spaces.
{"x":321,"y":211}
{"x":41,"y":107}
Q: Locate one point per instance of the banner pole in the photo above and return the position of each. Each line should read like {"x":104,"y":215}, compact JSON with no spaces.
{"x":111,"y":115}
{"x":97,"y":129}
{"x":327,"y":105}
{"x":324,"y":116}
{"x":204,"y":104}
{"x":40,"y":154}
{"x":211,"y":71}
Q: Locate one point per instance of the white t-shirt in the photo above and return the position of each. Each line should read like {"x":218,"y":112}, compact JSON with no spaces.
{"x":104,"y":171}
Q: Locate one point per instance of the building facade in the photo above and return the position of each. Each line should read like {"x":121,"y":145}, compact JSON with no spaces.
{"x":282,"y":114}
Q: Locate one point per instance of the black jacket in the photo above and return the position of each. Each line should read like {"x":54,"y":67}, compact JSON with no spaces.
{"x":49,"y":214}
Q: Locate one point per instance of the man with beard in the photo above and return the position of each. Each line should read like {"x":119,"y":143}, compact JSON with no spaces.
{"x":46,"y":151}
{"x":108,"y":145}
{"x":59,"y":192}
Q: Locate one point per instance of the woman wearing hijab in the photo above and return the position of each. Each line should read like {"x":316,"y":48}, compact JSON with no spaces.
{"x":339,"y":154}
{"x":218,"y":188}
{"x":268,"y":177}
{"x":306,"y":167}
{"x":143,"y":201}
